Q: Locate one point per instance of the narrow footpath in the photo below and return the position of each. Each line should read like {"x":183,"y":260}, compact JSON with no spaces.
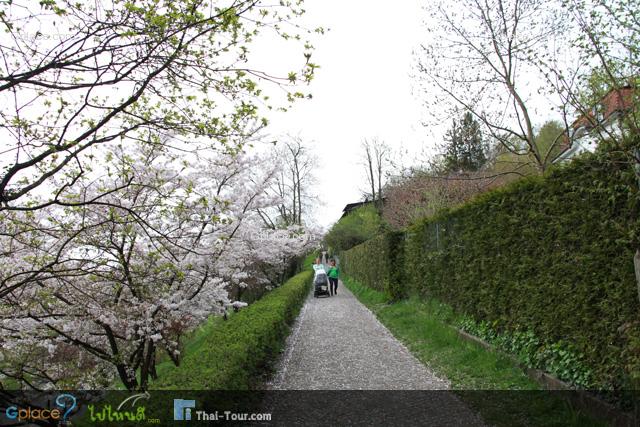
{"x":338,"y":344}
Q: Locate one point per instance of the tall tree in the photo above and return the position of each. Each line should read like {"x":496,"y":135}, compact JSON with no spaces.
{"x":293,"y":183}
{"x":77,"y":75}
{"x":375,"y":160}
{"x":477,"y":59}
{"x":465,"y":147}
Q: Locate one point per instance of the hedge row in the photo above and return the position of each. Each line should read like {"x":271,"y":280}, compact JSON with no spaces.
{"x":379,"y":264}
{"x":236,"y":352}
{"x":553,"y":256}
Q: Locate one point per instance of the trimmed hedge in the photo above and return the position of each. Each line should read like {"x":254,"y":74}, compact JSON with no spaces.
{"x":551,"y":255}
{"x":367,"y":262}
{"x":236,"y":352}
{"x":379,"y":264}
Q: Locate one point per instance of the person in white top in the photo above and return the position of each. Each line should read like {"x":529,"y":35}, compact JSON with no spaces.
{"x":318,"y":266}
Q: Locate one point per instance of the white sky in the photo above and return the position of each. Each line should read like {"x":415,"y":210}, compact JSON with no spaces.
{"x":362,"y":90}
{"x":365,"y":89}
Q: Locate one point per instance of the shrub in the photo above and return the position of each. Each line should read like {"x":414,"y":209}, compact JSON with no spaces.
{"x":379,"y":264}
{"x":549,"y":255}
{"x":558,"y":358}
{"x":358,"y":226}
{"x":424,"y":193}
{"x":235,"y":353}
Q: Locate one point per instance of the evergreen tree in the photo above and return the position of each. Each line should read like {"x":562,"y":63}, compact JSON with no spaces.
{"x":464,"y":148}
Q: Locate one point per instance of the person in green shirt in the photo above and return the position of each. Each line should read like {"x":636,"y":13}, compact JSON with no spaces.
{"x":333,"y":273}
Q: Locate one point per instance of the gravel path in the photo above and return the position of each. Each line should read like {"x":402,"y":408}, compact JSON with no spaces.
{"x":338,"y":344}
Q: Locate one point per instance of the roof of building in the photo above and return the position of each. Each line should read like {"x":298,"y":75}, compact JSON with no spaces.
{"x":351,"y":206}
{"x":616,"y":100}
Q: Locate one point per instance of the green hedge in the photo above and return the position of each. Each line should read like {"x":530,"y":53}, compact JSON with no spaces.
{"x":553,"y":256}
{"x":379,"y":264}
{"x":235,"y":353}
{"x":367,"y":262}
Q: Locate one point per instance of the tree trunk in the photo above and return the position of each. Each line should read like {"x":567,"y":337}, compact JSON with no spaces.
{"x":636,"y":258}
{"x":372,"y":176}
{"x":295,"y":191}
{"x":298,"y":185}
{"x":146,"y":365}
{"x":123,"y":373}
{"x":379,"y":205}
{"x":152,"y":369}
{"x":636,"y":265}
{"x":299,"y":201}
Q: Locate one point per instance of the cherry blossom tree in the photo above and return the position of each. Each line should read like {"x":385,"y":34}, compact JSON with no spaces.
{"x":124,"y":182}
{"x":128,"y":275}
{"x":77,"y":76}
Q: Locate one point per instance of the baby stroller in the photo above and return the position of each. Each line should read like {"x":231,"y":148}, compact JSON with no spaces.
{"x":320,"y":284}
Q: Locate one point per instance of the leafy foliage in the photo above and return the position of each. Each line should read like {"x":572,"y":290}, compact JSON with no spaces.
{"x":379,"y":264}
{"x":366,"y":262}
{"x":465,"y":148}
{"x":547,"y":255}
{"x":358,"y":226}
{"x":234,"y":353}
{"x":557,"y":358}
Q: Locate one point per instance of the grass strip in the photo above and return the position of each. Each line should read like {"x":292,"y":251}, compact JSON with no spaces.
{"x":488,"y":381}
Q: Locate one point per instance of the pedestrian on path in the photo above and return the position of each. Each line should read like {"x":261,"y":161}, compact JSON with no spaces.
{"x":318,"y":266}
{"x":333,"y":274}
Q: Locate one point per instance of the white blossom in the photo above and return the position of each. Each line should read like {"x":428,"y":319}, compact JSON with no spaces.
{"x":149,"y":263}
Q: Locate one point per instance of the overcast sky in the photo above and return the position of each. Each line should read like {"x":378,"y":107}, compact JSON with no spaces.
{"x":362,"y":90}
